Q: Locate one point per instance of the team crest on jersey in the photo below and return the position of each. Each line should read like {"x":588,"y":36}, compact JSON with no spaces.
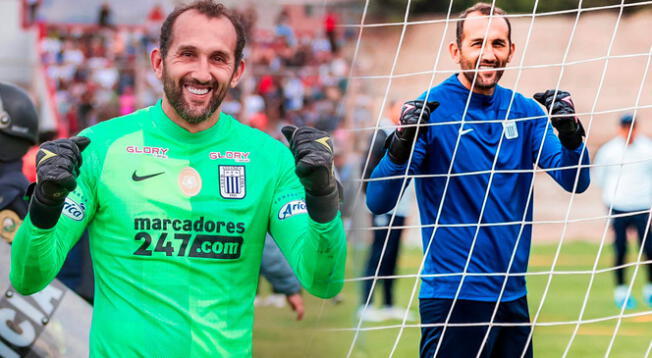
{"x":233,"y":181}
{"x":511,"y":131}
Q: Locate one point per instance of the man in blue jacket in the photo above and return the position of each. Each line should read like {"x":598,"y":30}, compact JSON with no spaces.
{"x":474,"y":159}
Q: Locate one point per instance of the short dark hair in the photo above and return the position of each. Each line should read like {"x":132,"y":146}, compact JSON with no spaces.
{"x":484,"y":9}
{"x":210,"y":9}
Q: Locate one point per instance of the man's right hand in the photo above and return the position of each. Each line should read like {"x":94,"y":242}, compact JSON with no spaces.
{"x":57,"y":169}
{"x":401,"y":140}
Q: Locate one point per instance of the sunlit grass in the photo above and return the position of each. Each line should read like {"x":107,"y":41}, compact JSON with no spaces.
{"x":277,"y":334}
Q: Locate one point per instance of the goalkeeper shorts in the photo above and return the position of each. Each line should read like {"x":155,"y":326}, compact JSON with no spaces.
{"x":504,"y":340}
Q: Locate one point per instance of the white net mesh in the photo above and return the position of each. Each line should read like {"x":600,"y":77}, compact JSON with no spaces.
{"x":602,"y":55}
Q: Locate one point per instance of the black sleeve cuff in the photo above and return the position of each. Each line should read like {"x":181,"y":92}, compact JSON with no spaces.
{"x":44,"y":216}
{"x":323,"y":208}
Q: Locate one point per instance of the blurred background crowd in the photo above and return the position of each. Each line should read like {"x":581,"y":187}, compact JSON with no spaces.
{"x":297,"y":76}
{"x":297,"y":65}
{"x":297,"y":71}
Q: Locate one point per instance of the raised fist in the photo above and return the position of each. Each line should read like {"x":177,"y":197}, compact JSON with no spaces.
{"x":400,"y":143}
{"x":562,"y":109}
{"x":57,"y":169}
{"x":313,"y":156}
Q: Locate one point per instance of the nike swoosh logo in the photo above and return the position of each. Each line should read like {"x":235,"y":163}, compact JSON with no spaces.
{"x":468,"y":130}
{"x":136,"y":177}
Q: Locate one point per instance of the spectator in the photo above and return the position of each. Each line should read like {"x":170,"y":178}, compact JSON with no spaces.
{"x":32,"y":8}
{"x":330,"y":26}
{"x":127,"y":101}
{"x":105,"y":17}
{"x":156,"y":14}
{"x":623,"y":169}
{"x":284,"y":30}
{"x":384,"y":251}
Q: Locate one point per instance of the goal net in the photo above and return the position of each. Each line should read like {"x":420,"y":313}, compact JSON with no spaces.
{"x":600,"y":52}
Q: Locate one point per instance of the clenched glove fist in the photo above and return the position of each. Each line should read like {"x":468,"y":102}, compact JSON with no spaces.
{"x":57,"y":169}
{"x":400,"y":142}
{"x":313,"y":155}
{"x":562,"y":109}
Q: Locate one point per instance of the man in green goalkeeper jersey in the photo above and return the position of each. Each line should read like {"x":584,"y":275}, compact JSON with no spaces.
{"x":177,"y":199}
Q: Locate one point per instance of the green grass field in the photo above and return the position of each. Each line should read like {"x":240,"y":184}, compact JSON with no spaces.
{"x":277,"y":334}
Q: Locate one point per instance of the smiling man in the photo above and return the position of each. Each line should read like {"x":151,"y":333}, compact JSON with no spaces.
{"x":476,"y":233}
{"x":177,"y":231}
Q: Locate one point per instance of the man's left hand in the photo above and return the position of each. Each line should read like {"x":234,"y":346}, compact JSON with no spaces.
{"x":313,"y":155}
{"x":562,"y":109}
{"x":296,"y":303}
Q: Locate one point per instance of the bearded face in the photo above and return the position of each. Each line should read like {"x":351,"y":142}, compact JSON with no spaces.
{"x":197,"y":67}
{"x":489,"y":71}
{"x":483,"y":51}
{"x":193,"y":100}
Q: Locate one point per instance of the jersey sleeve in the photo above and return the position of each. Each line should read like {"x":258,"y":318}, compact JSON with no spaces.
{"x":555,"y":155}
{"x":315,"y":251}
{"x":383,"y":194}
{"x":275,"y":268}
{"x":38,"y":254}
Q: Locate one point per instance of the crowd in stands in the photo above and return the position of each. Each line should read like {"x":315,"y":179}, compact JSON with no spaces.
{"x":93,"y":69}
{"x":102,"y":71}
{"x":295,"y":74}
{"x":295,"y":77}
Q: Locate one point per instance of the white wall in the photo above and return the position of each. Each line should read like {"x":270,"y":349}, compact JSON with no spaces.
{"x":17,"y":57}
{"x":19,"y":62}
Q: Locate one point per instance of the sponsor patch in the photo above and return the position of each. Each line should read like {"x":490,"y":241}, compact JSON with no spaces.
{"x":201,"y":237}
{"x":292,"y":208}
{"x":240,"y":157}
{"x":74,"y":210}
{"x":156,"y":152}
{"x":190,"y":181}
{"x":232,"y":181}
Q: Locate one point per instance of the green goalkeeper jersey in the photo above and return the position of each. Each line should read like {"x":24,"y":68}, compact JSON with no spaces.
{"x":177,"y":224}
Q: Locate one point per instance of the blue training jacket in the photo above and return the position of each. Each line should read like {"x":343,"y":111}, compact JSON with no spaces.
{"x":507,"y":201}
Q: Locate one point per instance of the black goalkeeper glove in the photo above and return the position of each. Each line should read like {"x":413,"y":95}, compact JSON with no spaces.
{"x":313,"y":156}
{"x":57,"y":169}
{"x":562,"y":109}
{"x":400,"y":142}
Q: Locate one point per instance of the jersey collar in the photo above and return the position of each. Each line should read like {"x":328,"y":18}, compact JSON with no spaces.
{"x":477,"y":99}
{"x":163,"y":123}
